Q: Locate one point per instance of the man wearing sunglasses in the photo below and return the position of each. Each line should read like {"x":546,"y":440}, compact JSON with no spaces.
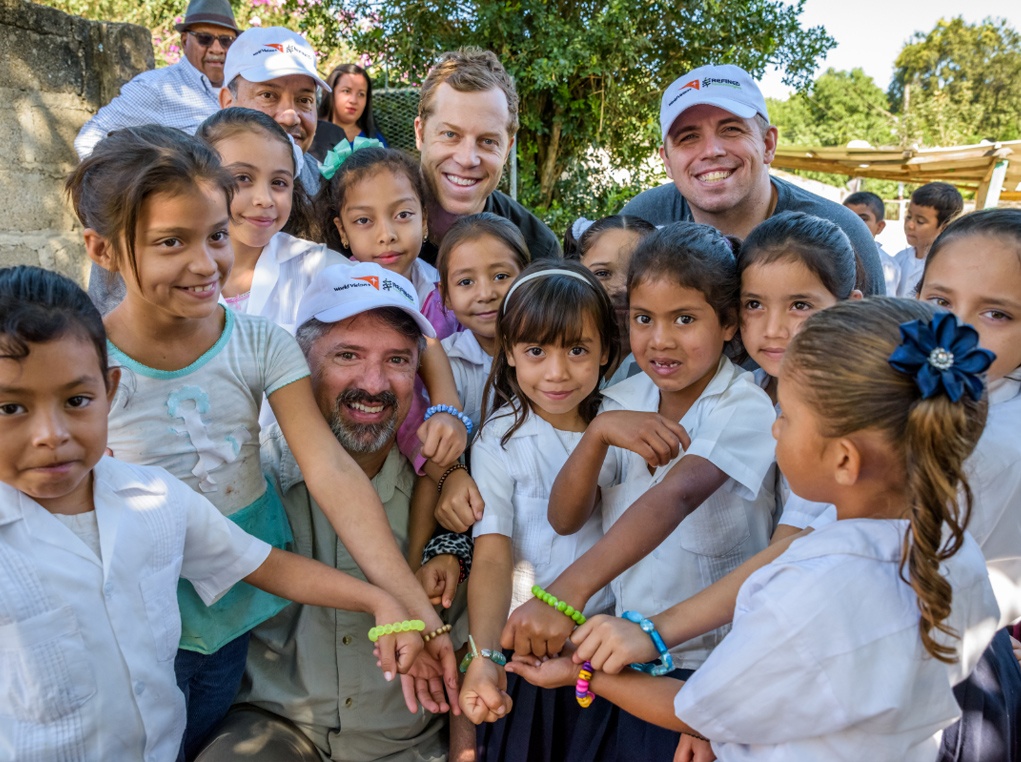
{"x":181,"y":95}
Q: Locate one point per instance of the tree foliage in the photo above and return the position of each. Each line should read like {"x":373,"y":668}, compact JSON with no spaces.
{"x":839,"y":107}
{"x":960,"y":83}
{"x":589,"y":74}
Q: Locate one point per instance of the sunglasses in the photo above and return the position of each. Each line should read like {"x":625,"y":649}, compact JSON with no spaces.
{"x":205,"y":40}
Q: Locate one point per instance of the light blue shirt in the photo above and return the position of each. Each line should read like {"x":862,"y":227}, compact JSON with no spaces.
{"x":176,"y":96}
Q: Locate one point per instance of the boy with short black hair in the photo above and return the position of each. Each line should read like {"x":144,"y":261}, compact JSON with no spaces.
{"x":870,"y":208}
{"x":931,"y":208}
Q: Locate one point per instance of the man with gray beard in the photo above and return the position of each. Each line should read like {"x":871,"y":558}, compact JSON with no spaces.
{"x":311,"y":689}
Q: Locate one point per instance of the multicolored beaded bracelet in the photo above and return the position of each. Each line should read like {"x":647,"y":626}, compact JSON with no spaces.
{"x":474,"y":652}
{"x":408,"y":625}
{"x":666,"y":661}
{"x":559,"y":605}
{"x":581,"y":690}
{"x":449,"y":410}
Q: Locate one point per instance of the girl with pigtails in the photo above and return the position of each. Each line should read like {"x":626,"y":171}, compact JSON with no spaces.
{"x":848,"y":644}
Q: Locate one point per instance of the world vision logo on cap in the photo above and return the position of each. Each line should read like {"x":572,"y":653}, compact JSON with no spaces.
{"x":372,"y":280}
{"x":275,"y":46}
{"x":685,"y":89}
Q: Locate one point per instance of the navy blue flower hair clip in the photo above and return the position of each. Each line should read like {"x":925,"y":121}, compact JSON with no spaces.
{"x":942,"y":354}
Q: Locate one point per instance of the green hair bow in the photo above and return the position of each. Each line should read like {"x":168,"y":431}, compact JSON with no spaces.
{"x":339,"y":153}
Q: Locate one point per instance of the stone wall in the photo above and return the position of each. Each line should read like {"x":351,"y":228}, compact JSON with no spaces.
{"x":57,"y":71}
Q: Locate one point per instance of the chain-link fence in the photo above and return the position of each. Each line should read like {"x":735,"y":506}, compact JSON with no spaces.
{"x":395,"y":110}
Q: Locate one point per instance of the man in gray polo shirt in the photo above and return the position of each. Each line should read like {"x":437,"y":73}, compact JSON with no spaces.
{"x":717,"y":147}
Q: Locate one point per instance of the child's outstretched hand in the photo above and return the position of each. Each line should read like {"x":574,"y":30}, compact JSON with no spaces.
{"x":548,"y":673}
{"x":395,"y":653}
{"x":611,"y":644}
{"x":438,"y":577}
{"x":461,"y":503}
{"x":536,"y":629}
{"x":443,"y":439}
{"x":484,"y":696}
{"x":656,"y":439}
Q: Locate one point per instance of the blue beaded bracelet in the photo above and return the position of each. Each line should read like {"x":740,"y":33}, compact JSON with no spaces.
{"x":450,"y":410}
{"x":666,"y":661}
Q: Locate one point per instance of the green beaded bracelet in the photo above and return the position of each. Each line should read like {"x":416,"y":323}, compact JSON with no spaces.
{"x":408,"y":625}
{"x":562,"y":606}
{"x":494,"y":656}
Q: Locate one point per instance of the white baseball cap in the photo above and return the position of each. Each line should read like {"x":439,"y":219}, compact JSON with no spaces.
{"x":343,"y":291}
{"x":728,"y":87}
{"x":260,"y":54}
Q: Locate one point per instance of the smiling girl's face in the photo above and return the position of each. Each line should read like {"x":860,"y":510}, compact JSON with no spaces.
{"x":479,"y":274}
{"x":263,"y":167}
{"x":978,"y":278}
{"x":776,"y":298}
{"x":382,"y":221}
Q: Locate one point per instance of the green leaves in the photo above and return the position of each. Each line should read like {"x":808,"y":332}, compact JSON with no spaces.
{"x":595,"y":70}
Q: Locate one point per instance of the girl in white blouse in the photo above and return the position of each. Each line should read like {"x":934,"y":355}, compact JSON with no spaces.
{"x":555,"y":339}
{"x":847,"y":646}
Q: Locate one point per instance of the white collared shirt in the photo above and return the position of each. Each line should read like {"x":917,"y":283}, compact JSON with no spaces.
{"x":176,"y":96}
{"x":515,"y":481}
{"x":909,"y":272}
{"x":285,"y":269}
{"x":995,"y":479}
{"x":825,"y":660}
{"x":471,"y":366}
{"x":87,"y":646}
{"x":730,"y":425}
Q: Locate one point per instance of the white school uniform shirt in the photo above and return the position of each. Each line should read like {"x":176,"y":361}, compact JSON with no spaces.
{"x":87,"y":645}
{"x":825,"y":660}
{"x":730,"y":425}
{"x":515,"y":482}
{"x":285,"y":269}
{"x":995,"y":479}
{"x":909,"y":269}
{"x":471,"y":365}
{"x":891,"y":270}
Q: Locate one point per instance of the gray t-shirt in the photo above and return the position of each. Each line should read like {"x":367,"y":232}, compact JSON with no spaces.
{"x":664,"y":205}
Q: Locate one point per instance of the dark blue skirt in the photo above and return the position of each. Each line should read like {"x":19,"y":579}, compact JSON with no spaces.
{"x":990,"y":701}
{"x":544,"y":725}
{"x":549,"y":726}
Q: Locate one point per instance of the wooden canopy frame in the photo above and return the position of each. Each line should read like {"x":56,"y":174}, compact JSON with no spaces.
{"x":991,"y":170}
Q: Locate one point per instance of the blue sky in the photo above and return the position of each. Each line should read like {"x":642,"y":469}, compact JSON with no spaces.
{"x":870,"y":33}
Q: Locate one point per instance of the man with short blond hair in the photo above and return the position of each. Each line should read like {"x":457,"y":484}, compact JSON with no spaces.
{"x":465,"y":130}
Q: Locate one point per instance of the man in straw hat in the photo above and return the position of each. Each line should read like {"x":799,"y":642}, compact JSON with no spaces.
{"x":182,"y":95}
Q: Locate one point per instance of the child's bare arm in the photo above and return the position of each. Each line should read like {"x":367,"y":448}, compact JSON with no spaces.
{"x":483,"y":695}
{"x":646,"y":697}
{"x":421,"y":521}
{"x":443,"y":437}
{"x":639,"y":531}
{"x":576,"y":491}
{"x":310,"y":582}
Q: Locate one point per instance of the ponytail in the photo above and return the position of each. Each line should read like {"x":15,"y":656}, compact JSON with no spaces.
{"x":939,"y":436}
{"x":930,"y":409}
